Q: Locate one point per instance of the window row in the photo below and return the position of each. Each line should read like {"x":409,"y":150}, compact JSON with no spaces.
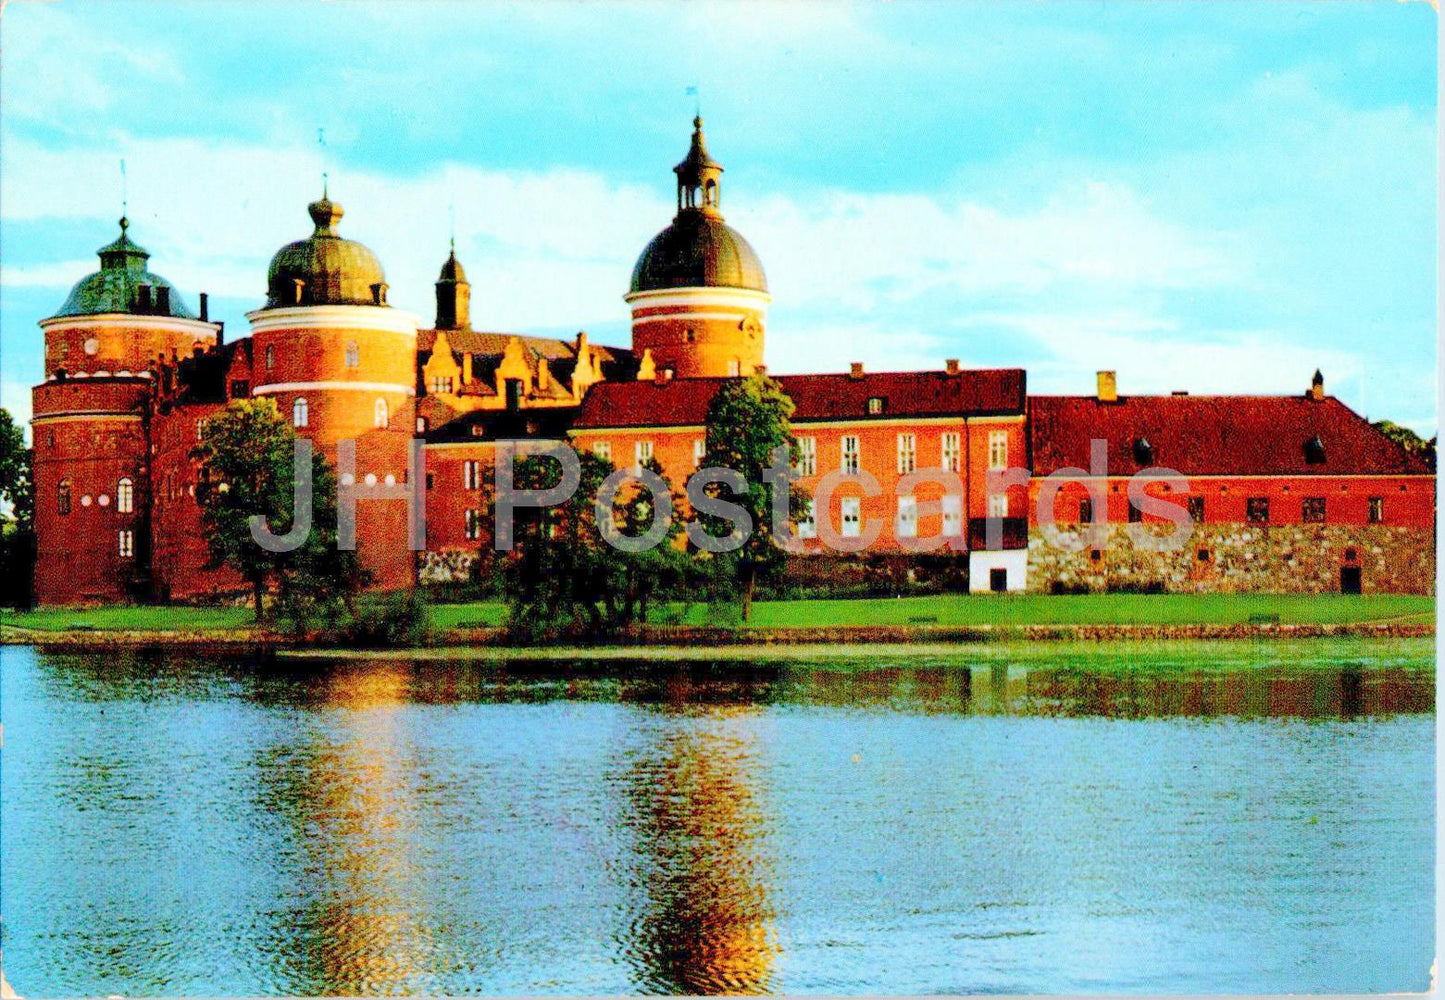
{"x":1313,"y":510}
{"x":380,"y":414}
{"x":352,"y":356}
{"x":124,"y":497}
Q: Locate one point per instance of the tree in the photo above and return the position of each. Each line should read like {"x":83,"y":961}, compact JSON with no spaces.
{"x":247,"y":462}
{"x":747,"y":421}
{"x":562,"y":576}
{"x":17,"y":536}
{"x":1408,"y":439}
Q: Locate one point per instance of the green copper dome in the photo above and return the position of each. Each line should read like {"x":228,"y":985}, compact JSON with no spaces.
{"x":324,"y":269}
{"x":124,"y":285}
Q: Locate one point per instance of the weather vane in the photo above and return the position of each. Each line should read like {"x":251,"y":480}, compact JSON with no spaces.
{"x":321,"y":144}
{"x":124,"y":192}
{"x":696,"y":101}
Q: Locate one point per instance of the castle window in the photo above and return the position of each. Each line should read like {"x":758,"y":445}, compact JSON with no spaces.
{"x":699,"y":450}
{"x":852,"y":509}
{"x":300,"y":412}
{"x":602,"y":450}
{"x":875,"y":405}
{"x":353,"y":355}
{"x":62,"y":497}
{"x":1314,"y":510}
{"x":473,"y":524}
{"x":807,"y":521}
{"x":240,"y":389}
{"x":735,"y":367}
{"x":1196,"y":509}
{"x":998,"y":505}
{"x":907,"y":453}
{"x":127,"y":543}
{"x":850,"y":454}
{"x":949,"y":449}
{"x":1135,"y":514}
{"x":690,"y":335}
{"x":441,"y":383}
{"x":998,"y":449}
{"x":642,"y":453}
{"x":1377,"y":510}
{"x":952,"y":516}
{"x":1143,"y":452}
{"x":380,"y":416}
{"x":1315,"y":451}
{"x":201,"y":430}
{"x":907,"y":523}
{"x":807,"y":456}
{"x":1086,"y":510}
{"x":1204,"y":555}
{"x":471,"y":474}
{"x":421,"y":425}
{"x":1256,"y":510}
{"x":270,"y":358}
{"x":124,"y":497}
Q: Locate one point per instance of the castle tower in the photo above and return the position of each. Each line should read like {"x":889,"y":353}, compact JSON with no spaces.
{"x":454,"y":295}
{"x":699,"y":297}
{"x":91,"y":425}
{"x":341,"y":365}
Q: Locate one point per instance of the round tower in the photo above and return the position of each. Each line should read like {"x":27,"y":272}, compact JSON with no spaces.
{"x":341,"y":365}
{"x":699,"y":296}
{"x":90,"y":428}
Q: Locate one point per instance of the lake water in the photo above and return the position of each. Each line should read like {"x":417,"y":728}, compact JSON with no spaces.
{"x":1224,"y":819}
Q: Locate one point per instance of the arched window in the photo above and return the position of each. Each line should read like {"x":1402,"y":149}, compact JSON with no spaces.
{"x":381,"y":417}
{"x":270,"y":357}
{"x":124,"y":497}
{"x":353,"y":355}
{"x":421,"y":425}
{"x":300,"y":412}
{"x":62,"y":497}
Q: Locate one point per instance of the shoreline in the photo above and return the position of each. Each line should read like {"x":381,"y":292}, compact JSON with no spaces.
{"x":857,"y":637}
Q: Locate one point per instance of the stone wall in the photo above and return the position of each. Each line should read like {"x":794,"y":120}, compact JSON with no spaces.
{"x":1227,"y":558}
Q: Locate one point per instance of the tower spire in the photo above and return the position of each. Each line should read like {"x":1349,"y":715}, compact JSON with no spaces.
{"x":698,"y":176}
{"x":124,"y":198}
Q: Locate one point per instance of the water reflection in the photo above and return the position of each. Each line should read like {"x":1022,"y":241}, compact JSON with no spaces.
{"x":391,"y":826}
{"x":700,"y":854}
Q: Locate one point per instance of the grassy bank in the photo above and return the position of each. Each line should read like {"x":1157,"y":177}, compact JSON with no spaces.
{"x":952,"y":610}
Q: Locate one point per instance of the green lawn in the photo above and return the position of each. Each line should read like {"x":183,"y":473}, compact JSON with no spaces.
{"x":953,"y":609}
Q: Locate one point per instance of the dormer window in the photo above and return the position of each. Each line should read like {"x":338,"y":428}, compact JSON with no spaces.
{"x":1143,"y":451}
{"x":875,"y":405}
{"x":1315,"y":451}
{"x":353,"y":355}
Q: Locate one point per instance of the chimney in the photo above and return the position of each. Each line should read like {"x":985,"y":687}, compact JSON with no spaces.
{"x":163,"y":300}
{"x":855,"y":370}
{"x":1108,"y":388}
{"x":951,"y":366}
{"x":205,"y":308}
{"x":1317,"y":387}
{"x":220,"y":334}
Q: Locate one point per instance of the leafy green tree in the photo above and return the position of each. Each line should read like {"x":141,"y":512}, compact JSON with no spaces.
{"x":247,"y":464}
{"x":1408,"y":439}
{"x":17,"y":535}
{"x":562,"y":576}
{"x":747,"y":421}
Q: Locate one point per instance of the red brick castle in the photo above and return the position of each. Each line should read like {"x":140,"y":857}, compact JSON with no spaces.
{"x":1286,"y":493}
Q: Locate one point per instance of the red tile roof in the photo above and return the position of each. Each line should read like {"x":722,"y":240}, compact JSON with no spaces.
{"x":681,"y":402}
{"x":1212,"y":435}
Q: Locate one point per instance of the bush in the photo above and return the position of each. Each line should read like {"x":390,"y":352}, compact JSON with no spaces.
{"x":402,"y":618}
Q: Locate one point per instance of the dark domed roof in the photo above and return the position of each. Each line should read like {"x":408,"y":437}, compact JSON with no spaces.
{"x":698,"y":249}
{"x":452,"y":270}
{"x":331,"y":271}
{"x":116,"y":287}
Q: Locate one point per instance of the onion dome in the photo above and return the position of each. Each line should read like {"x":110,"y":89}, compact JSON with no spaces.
{"x":698,"y":249}
{"x":124,"y":285}
{"x":324,"y":269}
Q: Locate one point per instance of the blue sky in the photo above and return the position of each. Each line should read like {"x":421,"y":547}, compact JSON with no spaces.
{"x":1204,"y":197}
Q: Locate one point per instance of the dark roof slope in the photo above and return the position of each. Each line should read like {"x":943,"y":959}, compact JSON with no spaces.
{"x":684,"y":401}
{"x":1212,"y":435}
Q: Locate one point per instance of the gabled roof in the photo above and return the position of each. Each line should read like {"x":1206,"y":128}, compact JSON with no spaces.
{"x":488,"y":426}
{"x":684,"y":401}
{"x":1212,"y":435}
